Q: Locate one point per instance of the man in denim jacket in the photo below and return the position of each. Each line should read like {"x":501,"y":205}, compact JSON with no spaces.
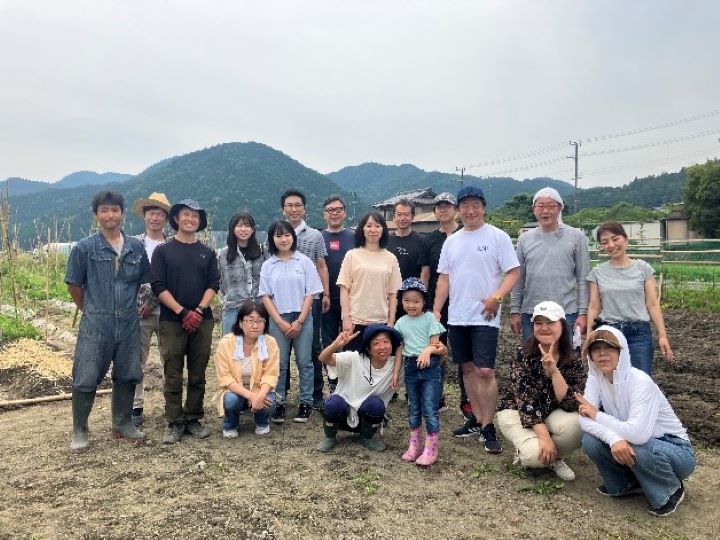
{"x":103,"y":274}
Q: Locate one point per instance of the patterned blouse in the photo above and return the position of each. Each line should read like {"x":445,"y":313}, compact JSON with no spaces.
{"x":531,"y":392}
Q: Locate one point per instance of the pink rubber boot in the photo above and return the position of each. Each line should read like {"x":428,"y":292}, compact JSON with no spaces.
{"x":430,"y":454}
{"x":415,"y":448}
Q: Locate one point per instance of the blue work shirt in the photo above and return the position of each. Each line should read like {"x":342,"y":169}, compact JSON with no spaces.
{"x":110,"y":282}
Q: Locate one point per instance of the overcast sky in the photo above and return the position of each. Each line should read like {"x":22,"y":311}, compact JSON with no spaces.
{"x":119,"y":85}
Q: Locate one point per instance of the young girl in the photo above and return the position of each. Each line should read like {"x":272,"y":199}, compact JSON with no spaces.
{"x":420,"y":354}
{"x":239,"y":265}
{"x":622,"y":295}
{"x":288,"y":282}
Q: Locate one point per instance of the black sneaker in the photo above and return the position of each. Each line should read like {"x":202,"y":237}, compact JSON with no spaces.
{"x":318,"y":404}
{"x":633,"y":489}
{"x":303,"y":414}
{"x":174,"y":433}
{"x":672,"y":504}
{"x":470,"y":429}
{"x":278,"y":416}
{"x":197,"y":430}
{"x":493,"y":445}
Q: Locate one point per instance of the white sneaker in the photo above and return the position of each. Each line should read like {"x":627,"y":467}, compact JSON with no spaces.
{"x":230,"y":433}
{"x":262,"y":430}
{"x":562,"y":470}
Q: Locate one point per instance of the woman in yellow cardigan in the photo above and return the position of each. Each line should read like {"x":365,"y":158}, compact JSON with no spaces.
{"x":247,"y":363}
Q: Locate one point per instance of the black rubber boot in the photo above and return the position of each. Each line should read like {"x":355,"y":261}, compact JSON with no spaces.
{"x":82,"y":403}
{"x":330,"y":440}
{"x":122,"y":404}
{"x":367,"y":431}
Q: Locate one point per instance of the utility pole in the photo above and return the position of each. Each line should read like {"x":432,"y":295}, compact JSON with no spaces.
{"x":462,"y":174}
{"x":576,"y":144}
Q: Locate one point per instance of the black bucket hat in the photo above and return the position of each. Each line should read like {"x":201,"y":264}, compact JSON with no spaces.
{"x":192,"y":205}
{"x":378,"y":328}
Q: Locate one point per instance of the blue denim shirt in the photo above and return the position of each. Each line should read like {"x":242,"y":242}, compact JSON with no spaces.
{"x":110,"y":283}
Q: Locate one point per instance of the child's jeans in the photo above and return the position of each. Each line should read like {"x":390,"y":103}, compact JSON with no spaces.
{"x":423,"y":390}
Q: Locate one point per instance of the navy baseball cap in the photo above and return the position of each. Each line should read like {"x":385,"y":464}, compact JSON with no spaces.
{"x":470,"y":191}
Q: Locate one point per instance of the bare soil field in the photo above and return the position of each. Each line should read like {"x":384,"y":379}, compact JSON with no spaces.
{"x":278,"y":486}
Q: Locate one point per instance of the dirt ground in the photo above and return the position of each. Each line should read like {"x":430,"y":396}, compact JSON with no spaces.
{"x":278,"y":486}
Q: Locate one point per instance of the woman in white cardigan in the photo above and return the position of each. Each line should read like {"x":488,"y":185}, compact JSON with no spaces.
{"x":637,"y":442}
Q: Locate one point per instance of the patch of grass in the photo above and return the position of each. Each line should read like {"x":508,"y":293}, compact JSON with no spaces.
{"x":696,"y":300}
{"x":12,"y":328}
{"x":516,"y":470}
{"x":367,"y":483}
{"x":483,"y":469}
{"x":543,"y":487}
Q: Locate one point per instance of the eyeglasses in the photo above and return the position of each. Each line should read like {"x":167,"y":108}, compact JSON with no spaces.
{"x":293,"y":205}
{"x":335,"y":210}
{"x":254,"y":322}
{"x":403,"y":215}
{"x":546,"y":206}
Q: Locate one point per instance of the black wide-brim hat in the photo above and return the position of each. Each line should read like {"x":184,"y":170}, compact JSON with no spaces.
{"x":379,"y":328}
{"x":192,"y":205}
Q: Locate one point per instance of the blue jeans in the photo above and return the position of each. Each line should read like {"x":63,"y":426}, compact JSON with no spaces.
{"x":318,"y":382}
{"x":228,"y":319}
{"x":660,"y":465}
{"x":302,"y":345}
{"x":423,"y":391}
{"x":336,"y":411}
{"x":527,"y":324}
{"x":640,"y":343}
{"x":235,"y":405}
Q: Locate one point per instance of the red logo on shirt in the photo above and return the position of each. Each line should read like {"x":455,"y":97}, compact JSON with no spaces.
{"x":334,"y":245}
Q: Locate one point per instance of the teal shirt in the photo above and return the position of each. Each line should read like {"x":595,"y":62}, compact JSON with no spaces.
{"x":417,"y":331}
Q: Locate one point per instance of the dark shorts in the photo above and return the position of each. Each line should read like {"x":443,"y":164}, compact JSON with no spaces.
{"x":476,"y":344}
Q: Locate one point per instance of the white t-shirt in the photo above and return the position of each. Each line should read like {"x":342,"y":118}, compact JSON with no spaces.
{"x":475,"y":262}
{"x":150,"y":246}
{"x":354,"y":377}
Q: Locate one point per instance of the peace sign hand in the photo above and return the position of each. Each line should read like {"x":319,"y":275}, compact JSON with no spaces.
{"x":344,"y":337}
{"x":549,"y":363}
{"x":585,"y":408}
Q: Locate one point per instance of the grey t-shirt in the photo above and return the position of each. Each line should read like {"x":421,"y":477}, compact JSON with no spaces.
{"x":622,"y":290}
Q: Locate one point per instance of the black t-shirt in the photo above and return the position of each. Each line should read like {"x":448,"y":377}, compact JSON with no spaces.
{"x":433,"y":244}
{"x":186,"y":271}
{"x":337,"y":245}
{"x":410,"y":252}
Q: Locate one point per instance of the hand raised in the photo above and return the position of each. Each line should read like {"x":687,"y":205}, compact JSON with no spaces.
{"x":585,"y":408}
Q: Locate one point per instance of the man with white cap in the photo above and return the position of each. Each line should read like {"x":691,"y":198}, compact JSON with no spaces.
{"x":154,"y":212}
{"x":554,"y":263}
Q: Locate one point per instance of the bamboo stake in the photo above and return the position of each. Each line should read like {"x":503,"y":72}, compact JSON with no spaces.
{"x":45,"y":399}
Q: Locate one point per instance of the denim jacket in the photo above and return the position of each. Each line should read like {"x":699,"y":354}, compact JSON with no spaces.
{"x":240,"y":280}
{"x":110,"y":283}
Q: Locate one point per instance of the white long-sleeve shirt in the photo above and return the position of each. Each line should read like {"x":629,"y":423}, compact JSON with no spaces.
{"x":635,"y":409}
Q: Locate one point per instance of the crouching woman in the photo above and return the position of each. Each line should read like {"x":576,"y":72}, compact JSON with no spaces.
{"x":247,"y":364}
{"x":538,"y":411}
{"x":637,"y":442}
{"x":364,"y":385}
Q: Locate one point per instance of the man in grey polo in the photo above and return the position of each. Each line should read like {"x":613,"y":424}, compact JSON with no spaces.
{"x":554,"y":263}
{"x":310,"y":243}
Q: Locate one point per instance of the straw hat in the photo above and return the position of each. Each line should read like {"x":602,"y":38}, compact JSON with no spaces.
{"x":155,"y":199}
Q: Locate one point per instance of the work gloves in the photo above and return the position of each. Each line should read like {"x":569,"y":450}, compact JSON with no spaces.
{"x":190,"y":319}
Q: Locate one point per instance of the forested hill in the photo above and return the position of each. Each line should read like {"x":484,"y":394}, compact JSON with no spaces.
{"x":377,"y":182}
{"x":650,"y":192}
{"x":224,"y":179}
{"x":22,"y":186}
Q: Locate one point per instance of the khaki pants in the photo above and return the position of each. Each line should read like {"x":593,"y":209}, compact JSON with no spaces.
{"x":564,"y":428}
{"x":147,"y":327}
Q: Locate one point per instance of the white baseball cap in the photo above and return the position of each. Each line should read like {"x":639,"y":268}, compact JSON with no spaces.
{"x":552,"y":311}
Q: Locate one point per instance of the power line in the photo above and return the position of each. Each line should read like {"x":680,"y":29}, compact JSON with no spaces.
{"x":598,"y":138}
{"x":655,"y":143}
{"x":663,"y":161}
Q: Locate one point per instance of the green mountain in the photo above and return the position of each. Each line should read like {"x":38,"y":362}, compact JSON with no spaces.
{"x":377,"y":182}
{"x":21,"y":186}
{"x":650,"y":192}
{"x":224,"y":179}
{"x":89,"y":178}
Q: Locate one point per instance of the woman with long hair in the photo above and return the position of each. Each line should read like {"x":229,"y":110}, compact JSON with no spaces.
{"x":369,"y":279}
{"x":539,"y":411}
{"x":622,"y":295}
{"x":288,"y":283}
{"x":239,"y":264}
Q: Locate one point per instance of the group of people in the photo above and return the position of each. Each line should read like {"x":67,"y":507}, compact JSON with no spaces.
{"x":369,"y":309}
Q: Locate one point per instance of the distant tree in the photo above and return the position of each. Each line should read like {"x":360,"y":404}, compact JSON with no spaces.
{"x":589,"y":218}
{"x":702,"y":198}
